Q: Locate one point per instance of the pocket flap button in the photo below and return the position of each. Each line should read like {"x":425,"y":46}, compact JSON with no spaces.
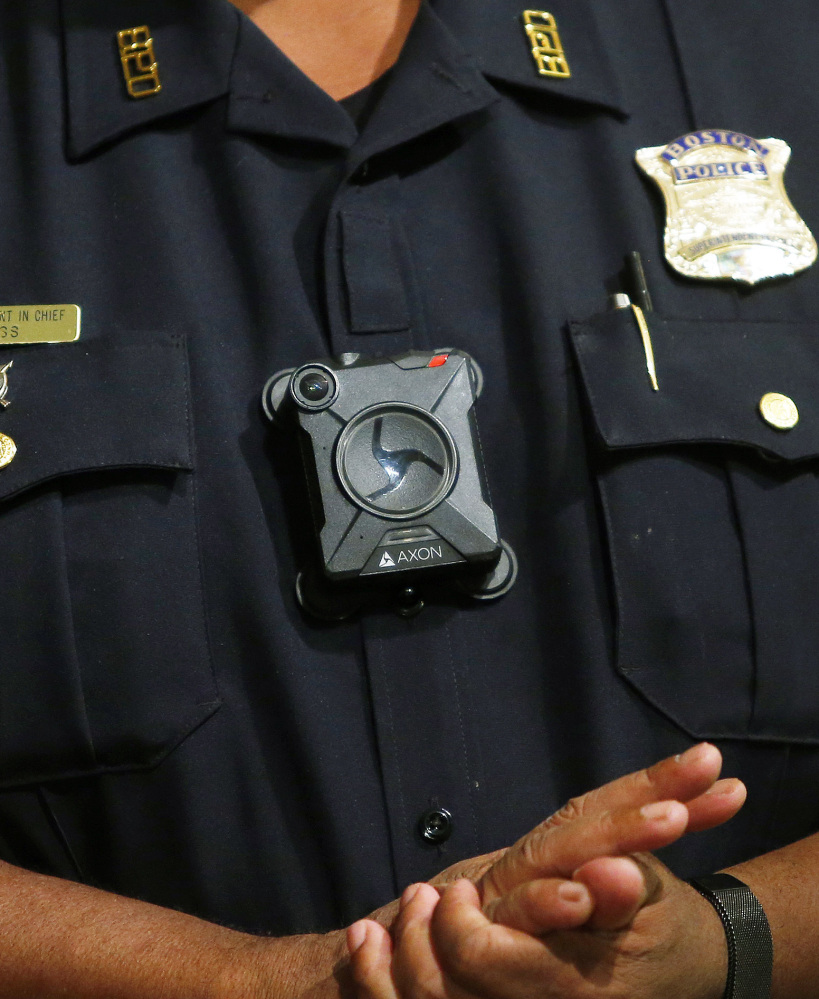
{"x":778,"y":411}
{"x":8,"y":449}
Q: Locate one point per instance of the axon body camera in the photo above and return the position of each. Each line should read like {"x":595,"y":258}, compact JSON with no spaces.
{"x":394,"y":469}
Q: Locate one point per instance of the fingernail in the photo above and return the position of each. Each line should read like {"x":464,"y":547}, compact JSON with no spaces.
{"x":727,"y":786}
{"x":571,"y":891}
{"x":660,"y":811}
{"x":694,"y":753}
{"x":409,"y":894}
{"x":356,"y":935}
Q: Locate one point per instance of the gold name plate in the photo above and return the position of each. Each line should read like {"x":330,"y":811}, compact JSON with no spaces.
{"x":39,"y":324}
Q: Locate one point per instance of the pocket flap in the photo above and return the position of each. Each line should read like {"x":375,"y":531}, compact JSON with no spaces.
{"x":116,"y":400}
{"x":711,"y":375}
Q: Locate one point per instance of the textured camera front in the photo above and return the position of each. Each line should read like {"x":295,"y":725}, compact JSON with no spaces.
{"x":396,"y":461}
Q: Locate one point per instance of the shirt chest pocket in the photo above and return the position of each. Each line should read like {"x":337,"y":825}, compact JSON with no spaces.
{"x":712,"y":518}
{"x":104,"y":664}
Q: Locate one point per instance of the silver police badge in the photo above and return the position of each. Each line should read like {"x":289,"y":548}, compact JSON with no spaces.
{"x":728,"y":216}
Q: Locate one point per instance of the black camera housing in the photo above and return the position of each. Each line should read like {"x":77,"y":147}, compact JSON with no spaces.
{"x":395,"y":474}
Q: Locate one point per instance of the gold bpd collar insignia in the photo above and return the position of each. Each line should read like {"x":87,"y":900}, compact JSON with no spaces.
{"x":547,"y":48}
{"x":728,"y":216}
{"x":139,"y":65}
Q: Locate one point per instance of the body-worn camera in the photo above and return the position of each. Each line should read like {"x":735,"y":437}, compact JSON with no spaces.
{"x":396,"y":480}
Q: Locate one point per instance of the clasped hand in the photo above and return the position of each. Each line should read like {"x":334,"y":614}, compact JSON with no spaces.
{"x":577,"y":909}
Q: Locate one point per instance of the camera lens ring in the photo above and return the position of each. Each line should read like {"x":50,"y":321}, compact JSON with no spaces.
{"x":306,"y":385}
{"x":348,"y":463}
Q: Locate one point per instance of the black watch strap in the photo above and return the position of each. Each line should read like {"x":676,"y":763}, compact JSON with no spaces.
{"x":750,"y":945}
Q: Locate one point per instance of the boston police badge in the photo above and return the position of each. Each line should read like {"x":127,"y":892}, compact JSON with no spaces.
{"x":728,"y":215}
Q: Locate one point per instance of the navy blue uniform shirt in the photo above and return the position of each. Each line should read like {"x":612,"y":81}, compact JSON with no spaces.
{"x":171,"y":726}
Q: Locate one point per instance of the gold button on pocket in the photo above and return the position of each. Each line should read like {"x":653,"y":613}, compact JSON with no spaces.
{"x":778,"y":411}
{"x":8,"y":449}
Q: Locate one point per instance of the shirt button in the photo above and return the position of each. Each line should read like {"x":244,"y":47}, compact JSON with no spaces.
{"x":436,"y":825}
{"x":778,"y":411}
{"x":8,"y":449}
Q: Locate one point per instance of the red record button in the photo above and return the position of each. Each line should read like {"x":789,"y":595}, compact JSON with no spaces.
{"x":438,"y":360}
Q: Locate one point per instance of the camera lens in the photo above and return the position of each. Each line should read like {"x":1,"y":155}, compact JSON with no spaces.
{"x":314,"y":386}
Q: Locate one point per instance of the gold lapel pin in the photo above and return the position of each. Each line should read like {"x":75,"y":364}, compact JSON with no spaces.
{"x":139,"y":65}
{"x":547,"y":48}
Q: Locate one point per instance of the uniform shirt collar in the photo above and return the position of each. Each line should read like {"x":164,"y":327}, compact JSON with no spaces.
{"x":494,"y":32}
{"x":433,"y":82}
{"x":205,"y":50}
{"x":194,"y":44}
